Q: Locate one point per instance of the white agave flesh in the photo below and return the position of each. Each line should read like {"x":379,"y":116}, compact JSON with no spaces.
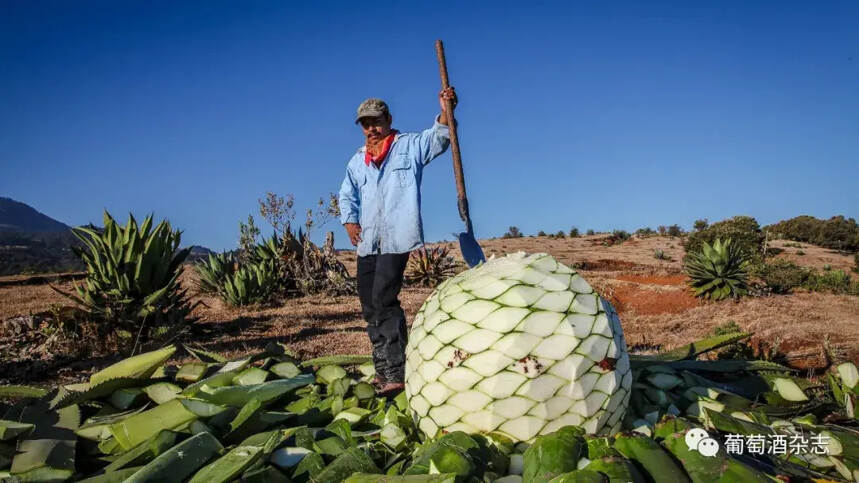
{"x":517,"y":345}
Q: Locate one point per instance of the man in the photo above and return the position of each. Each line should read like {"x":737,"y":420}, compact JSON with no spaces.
{"x":380,"y":201}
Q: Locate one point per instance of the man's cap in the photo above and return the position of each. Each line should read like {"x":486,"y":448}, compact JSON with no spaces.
{"x":372,"y":107}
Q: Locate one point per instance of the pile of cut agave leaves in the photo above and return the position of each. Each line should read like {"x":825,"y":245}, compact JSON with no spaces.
{"x":270,"y":417}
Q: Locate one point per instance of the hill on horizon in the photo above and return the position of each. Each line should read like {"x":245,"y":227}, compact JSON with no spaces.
{"x":21,"y":217}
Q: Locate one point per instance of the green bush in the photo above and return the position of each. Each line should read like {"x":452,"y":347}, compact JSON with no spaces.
{"x":132,"y":285}
{"x":560,"y":234}
{"x":541,"y":233}
{"x":744,"y":232}
{"x":782,"y":276}
{"x":835,"y":281}
{"x":701,"y":224}
{"x":838,"y":233}
{"x":620,"y":236}
{"x":675,"y":230}
{"x":645,"y":232}
{"x":590,"y":232}
{"x":512,"y":232}
{"x":856,"y":262}
{"x":574,"y":232}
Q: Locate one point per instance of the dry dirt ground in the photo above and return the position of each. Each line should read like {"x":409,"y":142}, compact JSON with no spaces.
{"x":656,"y":309}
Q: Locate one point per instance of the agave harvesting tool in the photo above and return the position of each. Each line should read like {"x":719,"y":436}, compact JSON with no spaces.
{"x":471,"y":251}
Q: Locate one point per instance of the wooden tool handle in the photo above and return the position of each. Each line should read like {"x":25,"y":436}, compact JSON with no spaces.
{"x":462,"y":200}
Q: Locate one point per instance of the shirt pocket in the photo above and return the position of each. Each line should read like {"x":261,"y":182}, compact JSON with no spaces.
{"x":401,"y":168}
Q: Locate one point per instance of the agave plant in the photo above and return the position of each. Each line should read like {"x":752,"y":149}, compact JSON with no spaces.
{"x":254,"y":283}
{"x":214,"y":271}
{"x":430,"y":267}
{"x":718,"y":271}
{"x":132,"y":276}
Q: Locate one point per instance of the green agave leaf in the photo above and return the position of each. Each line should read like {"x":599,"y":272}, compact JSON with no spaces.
{"x":204,"y":355}
{"x":136,"y":429}
{"x":229,"y":466}
{"x":723,"y":366}
{"x":238,"y":396}
{"x":139,"y":366}
{"x":14,"y":391}
{"x":690,"y":351}
{"x":181,"y":461}
{"x":50,"y":447}
{"x":90,"y":392}
{"x":12,"y":429}
{"x":338,"y":360}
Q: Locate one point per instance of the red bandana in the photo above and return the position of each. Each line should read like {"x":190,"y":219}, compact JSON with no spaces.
{"x":385,"y":148}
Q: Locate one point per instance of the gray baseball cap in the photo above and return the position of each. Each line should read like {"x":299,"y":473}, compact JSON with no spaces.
{"x":372,"y":107}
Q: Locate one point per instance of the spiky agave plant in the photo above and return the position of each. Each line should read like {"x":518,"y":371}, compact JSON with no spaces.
{"x":430,"y":267}
{"x":253,"y":283}
{"x":212,"y":272}
{"x":132,"y":276}
{"x":718,"y":271}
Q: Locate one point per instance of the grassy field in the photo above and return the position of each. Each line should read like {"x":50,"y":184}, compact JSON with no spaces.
{"x":655,"y":306}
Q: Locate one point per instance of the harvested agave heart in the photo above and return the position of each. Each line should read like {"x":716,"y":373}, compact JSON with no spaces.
{"x":521,"y":345}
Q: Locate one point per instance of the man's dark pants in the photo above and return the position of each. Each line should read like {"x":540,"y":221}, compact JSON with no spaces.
{"x":380,"y":278}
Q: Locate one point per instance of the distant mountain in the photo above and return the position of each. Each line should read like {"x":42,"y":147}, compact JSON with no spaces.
{"x":197,"y":253}
{"x":20,"y":217}
{"x":32,"y":242}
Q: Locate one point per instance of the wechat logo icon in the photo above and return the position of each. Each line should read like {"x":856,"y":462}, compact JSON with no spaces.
{"x":698,"y":440}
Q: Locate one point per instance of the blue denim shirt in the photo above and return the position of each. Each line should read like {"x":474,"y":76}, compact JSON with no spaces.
{"x":386,"y":201}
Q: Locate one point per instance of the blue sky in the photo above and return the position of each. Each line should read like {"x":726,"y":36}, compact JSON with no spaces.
{"x":591,"y":114}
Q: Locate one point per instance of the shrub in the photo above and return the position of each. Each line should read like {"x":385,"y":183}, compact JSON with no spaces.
{"x":560,"y":234}
{"x":662,"y":229}
{"x":512,"y":232}
{"x":590,"y":232}
{"x":574,"y":232}
{"x":428,"y":268}
{"x":835,"y":281}
{"x":744,"y":232}
{"x":675,"y":230}
{"x":838,"y":233}
{"x":800,"y":252}
{"x":827,"y":267}
{"x":303,"y":268}
{"x":701,"y":224}
{"x":782,"y":276}
{"x":644,"y":232}
{"x":620,"y":236}
{"x":660,"y":255}
{"x":856,"y":262}
{"x":132,"y":288}
{"x":718,"y":271}
{"x":541,"y":233}
{"x":248,"y":234}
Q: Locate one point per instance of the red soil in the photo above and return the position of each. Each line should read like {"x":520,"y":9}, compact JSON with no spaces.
{"x":654,"y":279}
{"x":629,"y":297}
